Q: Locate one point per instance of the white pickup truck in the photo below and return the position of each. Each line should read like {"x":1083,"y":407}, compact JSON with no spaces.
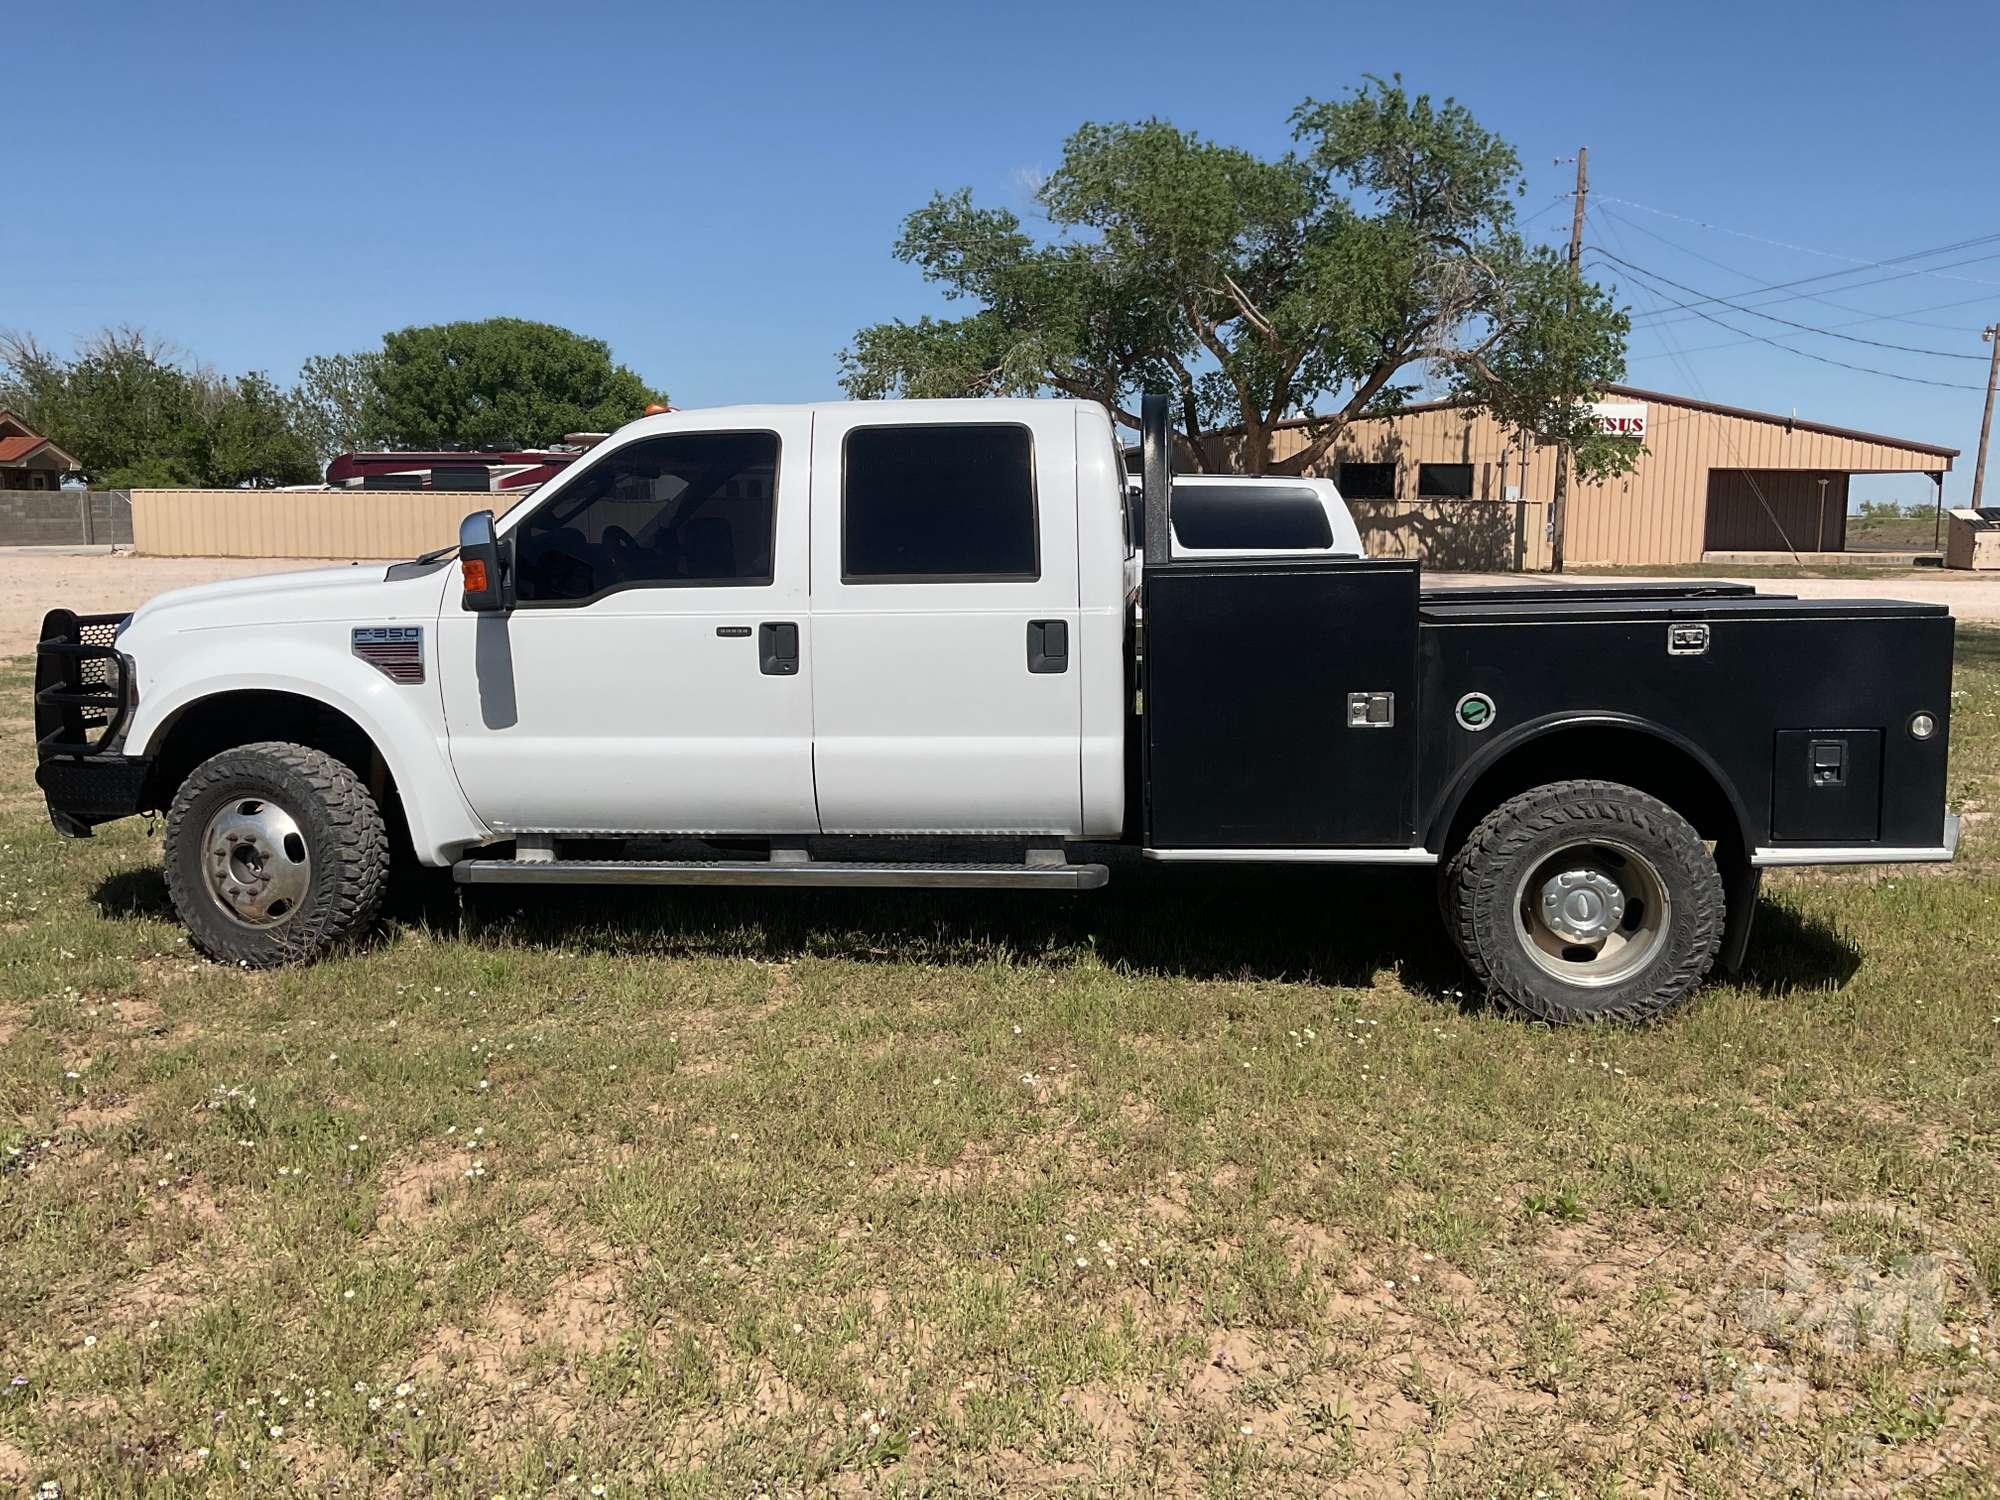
{"x":762,"y":633}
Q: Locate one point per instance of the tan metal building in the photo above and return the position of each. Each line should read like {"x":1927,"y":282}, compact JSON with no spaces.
{"x":1452,"y":487}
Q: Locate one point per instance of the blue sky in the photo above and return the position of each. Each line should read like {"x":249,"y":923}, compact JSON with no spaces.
{"x":715,"y":189}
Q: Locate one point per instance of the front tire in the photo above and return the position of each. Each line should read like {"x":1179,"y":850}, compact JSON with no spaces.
{"x":1586,"y":901}
{"x":275,"y":854}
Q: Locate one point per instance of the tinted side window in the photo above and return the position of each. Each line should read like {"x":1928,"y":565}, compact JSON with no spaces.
{"x":683,"y":510}
{"x":932,"y":503}
{"x":1444,"y":481}
{"x":1367,"y":481}
{"x":1264,"y":517}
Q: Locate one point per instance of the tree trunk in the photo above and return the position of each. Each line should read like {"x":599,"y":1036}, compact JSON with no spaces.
{"x":1191,"y":428}
{"x":1256,"y":455}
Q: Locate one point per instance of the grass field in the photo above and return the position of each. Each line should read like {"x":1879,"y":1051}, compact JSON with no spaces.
{"x":1204,"y":1184}
{"x":1889,"y":528}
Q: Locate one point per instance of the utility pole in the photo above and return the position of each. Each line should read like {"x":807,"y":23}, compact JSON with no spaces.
{"x":1991,"y":333}
{"x":1556,"y":509}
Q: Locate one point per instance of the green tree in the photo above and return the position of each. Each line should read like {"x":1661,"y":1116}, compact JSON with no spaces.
{"x":250,"y":438}
{"x":134,"y":413}
{"x":329,"y":402}
{"x":496,"y":383}
{"x":124,"y":406}
{"x":1383,"y":246}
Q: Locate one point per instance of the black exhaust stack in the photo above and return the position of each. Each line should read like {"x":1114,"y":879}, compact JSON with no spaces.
{"x":1156,"y":466}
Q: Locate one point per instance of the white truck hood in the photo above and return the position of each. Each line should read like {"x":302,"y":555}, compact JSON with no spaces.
{"x":361,"y":593}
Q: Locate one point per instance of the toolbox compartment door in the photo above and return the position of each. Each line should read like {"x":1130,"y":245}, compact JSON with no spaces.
{"x":1826,"y":786}
{"x":1280,"y":703}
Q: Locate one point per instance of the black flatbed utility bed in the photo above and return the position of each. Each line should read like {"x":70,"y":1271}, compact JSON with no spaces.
{"x":1260,"y":674}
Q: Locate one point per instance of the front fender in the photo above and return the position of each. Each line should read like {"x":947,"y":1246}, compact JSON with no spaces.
{"x":404,"y":722}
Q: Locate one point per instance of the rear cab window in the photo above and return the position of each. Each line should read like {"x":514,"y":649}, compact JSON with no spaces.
{"x":1265,"y":518}
{"x":939,"y":503}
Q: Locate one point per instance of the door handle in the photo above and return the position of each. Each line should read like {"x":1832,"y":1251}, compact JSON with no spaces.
{"x":778,"y":648}
{"x":1048,"y":646}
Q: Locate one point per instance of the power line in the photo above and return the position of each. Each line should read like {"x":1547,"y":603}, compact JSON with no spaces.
{"x":1823,"y":301}
{"x":1852,"y":338}
{"x":1757,"y":338}
{"x":1738,"y":343}
{"x":1728,"y":436}
{"x":1851,"y":286}
{"x":1733,"y":343}
{"x":1558,"y":198}
{"x":1786,"y":244}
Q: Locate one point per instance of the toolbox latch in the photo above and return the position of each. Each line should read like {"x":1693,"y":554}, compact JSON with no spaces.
{"x":1829,"y":762}
{"x":1687,"y":640}
{"x":1371,"y":710}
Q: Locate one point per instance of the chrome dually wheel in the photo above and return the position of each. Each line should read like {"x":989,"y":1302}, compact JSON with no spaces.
{"x":1592,"y":913}
{"x":275,"y":853}
{"x":1586,"y":901}
{"x":258,"y":863}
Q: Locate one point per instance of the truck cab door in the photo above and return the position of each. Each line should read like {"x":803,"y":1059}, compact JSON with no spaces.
{"x":946,"y":662}
{"x":654,"y":673}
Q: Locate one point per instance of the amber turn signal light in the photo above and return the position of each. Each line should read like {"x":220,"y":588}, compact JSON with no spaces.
{"x":475,"y":575}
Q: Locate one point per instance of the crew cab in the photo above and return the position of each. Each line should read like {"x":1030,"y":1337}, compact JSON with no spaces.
{"x":730,"y":646}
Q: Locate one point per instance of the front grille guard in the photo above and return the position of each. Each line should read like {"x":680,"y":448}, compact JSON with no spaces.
{"x":82,"y":685}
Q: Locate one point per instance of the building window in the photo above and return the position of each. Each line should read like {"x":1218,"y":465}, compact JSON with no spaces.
{"x":694,"y":509}
{"x":1444,"y":481}
{"x":1367,"y":481}
{"x":931,"y":504}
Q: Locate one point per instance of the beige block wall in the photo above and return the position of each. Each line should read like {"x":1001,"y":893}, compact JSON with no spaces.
{"x":313,"y":523}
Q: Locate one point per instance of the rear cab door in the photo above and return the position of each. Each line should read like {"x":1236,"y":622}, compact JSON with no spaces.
{"x":946,"y":675}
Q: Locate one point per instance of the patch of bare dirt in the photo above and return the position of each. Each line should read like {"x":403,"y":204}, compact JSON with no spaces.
{"x":90,"y":1408}
{"x":15,"y":1466}
{"x":582,"y":1310}
{"x":979,"y":1164}
{"x":582,"y":1314}
{"x":107,"y":1111}
{"x":141,"y":1015}
{"x":410,"y":1193}
{"x":194,"y":1199}
{"x":159,"y":1293}
{"x":1592,"y":1267}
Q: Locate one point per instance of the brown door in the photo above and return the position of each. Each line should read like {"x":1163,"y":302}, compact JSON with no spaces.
{"x":1775,"y":510}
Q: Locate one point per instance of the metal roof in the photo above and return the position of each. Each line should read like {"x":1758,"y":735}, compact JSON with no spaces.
{"x":1665,"y":398}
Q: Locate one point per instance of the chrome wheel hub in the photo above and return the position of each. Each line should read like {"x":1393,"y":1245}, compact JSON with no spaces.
{"x":1592,"y":913}
{"x":1583,"y":905}
{"x":255,"y":858}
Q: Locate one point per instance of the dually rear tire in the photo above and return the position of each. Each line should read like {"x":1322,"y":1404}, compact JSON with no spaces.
{"x":1586,"y":901}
